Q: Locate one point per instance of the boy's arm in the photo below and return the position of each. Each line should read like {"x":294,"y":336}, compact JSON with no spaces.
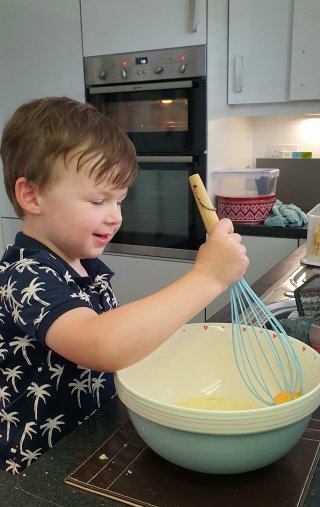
{"x":120,"y":337}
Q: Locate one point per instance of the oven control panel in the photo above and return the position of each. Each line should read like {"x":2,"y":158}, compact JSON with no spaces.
{"x":157,"y":65}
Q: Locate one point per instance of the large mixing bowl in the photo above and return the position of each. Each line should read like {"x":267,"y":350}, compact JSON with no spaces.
{"x":198,"y":361}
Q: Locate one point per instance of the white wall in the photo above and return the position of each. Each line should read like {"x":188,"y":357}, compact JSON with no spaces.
{"x":303,"y":131}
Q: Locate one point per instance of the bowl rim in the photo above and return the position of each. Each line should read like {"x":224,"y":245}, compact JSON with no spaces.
{"x":294,"y":408}
{"x":255,"y":413}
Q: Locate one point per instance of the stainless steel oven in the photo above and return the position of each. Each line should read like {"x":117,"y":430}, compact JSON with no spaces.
{"x":159,"y":99}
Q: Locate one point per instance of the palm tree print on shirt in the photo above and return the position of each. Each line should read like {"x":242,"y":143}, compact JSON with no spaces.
{"x":30,"y":456}
{"x":9,"y":418}
{"x":86,"y":371}
{"x":6,"y":295}
{"x":57,"y":369}
{"x":79,"y":386}
{"x":13,"y":467}
{"x":50,"y":425}
{"x":97,"y":384}
{"x":40,"y":317}
{"x":12,"y":374}
{"x":39,"y":392}
{"x":2,"y":349}
{"x":22,"y":342}
{"x":4,"y":395}
{"x":30,"y":292}
{"x":28,"y":430}
{"x":25,"y":263}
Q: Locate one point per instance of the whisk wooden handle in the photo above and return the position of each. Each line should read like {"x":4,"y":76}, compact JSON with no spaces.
{"x":207,"y":211}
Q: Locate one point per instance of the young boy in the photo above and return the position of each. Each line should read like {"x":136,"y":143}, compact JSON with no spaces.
{"x":67,"y":169}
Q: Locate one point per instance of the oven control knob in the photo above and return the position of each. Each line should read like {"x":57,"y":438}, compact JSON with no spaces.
{"x":158,"y":70}
{"x":182,"y":68}
{"x":124,"y":73}
{"x":102,"y":74}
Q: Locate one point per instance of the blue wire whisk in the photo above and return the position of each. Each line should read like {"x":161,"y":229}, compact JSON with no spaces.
{"x":265,"y":356}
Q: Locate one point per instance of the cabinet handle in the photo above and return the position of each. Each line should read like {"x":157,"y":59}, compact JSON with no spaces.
{"x":192,"y":16}
{"x":237,"y":73}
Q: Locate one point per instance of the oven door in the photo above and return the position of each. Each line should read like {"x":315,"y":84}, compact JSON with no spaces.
{"x":167,"y":117}
{"x":160,"y":210}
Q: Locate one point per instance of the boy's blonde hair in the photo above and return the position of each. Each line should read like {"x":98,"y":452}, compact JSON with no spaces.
{"x":41,"y":130}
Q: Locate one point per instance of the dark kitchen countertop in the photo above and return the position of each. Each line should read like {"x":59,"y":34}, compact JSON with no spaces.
{"x":42,"y":484}
{"x":273,"y":232}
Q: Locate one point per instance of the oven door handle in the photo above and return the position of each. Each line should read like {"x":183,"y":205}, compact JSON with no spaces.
{"x":165,"y":158}
{"x":137,"y":87}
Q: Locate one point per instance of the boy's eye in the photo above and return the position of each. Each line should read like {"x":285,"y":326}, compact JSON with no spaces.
{"x":97,"y":203}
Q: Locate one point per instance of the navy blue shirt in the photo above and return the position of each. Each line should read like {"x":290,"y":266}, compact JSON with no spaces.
{"x":43,"y":396}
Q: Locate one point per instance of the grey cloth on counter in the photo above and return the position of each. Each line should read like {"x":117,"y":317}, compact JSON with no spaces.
{"x":286,"y":215}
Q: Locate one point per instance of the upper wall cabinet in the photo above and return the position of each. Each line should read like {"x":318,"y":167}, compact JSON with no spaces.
{"x":274,"y":51}
{"x":305,"y":63}
{"x":259,"y":50}
{"x":120,"y":26}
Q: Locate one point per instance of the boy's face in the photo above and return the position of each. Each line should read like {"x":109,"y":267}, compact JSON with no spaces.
{"x":78,"y":217}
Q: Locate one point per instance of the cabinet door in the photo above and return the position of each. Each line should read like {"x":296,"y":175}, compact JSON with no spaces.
{"x":305,"y":68}
{"x":119,"y":26}
{"x":136,"y":277}
{"x":41,"y":55}
{"x":259,"y":50}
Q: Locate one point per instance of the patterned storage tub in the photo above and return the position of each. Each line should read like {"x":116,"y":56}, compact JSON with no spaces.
{"x":245,"y":210}
{"x":245,"y":196}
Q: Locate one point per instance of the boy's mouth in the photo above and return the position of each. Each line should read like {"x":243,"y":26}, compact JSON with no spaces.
{"x":102,"y":236}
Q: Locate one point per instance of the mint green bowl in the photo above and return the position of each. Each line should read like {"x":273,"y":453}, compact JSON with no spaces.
{"x":198,"y":361}
{"x":218,"y":454}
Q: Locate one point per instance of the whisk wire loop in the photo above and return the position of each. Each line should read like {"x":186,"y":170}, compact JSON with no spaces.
{"x":251,"y":340}
{"x":285,"y":339}
{"x":243,"y":334}
{"x":244,"y":364}
{"x":253,"y":318}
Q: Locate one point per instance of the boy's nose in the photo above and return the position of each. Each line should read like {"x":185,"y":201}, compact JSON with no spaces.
{"x":114,"y":215}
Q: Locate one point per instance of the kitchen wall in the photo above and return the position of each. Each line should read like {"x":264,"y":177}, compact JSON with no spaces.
{"x":303,"y":131}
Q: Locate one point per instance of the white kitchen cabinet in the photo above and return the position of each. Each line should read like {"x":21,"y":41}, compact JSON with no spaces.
{"x":136,"y":277}
{"x":40,"y":54}
{"x":305,"y":68}
{"x":273,"y":56}
{"x":122,"y":26}
{"x":259,"y":51}
{"x":264,"y":253}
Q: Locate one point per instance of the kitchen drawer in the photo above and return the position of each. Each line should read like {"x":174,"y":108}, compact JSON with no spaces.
{"x":137,"y":276}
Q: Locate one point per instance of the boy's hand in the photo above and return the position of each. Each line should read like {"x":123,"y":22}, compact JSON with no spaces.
{"x":222,"y":258}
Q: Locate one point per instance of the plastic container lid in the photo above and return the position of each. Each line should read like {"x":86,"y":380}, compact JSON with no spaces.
{"x":247,"y":172}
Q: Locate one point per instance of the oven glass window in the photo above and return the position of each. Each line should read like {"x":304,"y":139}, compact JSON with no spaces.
{"x":162,"y":120}
{"x":160,"y":210}
{"x":159,"y":115}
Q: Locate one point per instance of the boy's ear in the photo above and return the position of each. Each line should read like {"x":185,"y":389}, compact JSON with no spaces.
{"x":27,"y":196}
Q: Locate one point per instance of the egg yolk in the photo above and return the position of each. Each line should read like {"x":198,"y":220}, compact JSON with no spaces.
{"x":285,"y":396}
